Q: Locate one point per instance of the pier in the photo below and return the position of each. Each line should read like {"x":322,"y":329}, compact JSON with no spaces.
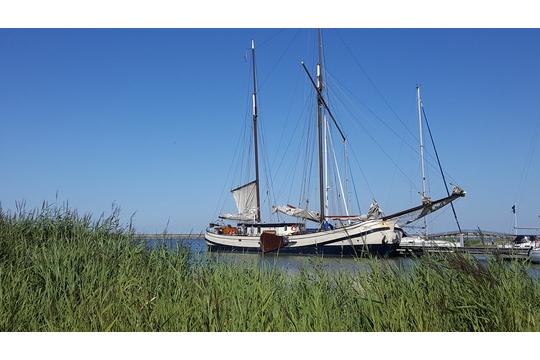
{"x":506,"y":253}
{"x":486,"y":237}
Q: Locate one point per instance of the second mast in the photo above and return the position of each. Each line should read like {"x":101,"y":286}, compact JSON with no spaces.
{"x":255,"y":142}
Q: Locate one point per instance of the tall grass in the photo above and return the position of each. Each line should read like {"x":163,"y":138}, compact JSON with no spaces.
{"x":60,"y":271}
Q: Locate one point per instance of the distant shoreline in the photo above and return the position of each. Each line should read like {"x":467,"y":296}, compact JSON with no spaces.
{"x":191,"y":236}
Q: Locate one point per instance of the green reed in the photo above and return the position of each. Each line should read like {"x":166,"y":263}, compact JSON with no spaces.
{"x":60,"y":271}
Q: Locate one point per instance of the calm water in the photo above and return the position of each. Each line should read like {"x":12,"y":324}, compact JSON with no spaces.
{"x":293,"y":263}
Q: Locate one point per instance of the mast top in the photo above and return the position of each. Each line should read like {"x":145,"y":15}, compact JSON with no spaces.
{"x":418,"y":86}
{"x":255,"y":137}
{"x":320,"y":45}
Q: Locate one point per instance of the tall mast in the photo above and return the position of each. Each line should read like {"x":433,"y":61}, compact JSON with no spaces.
{"x":255,"y":142}
{"x":320,"y":127}
{"x":326,"y":188}
{"x":514,"y":210}
{"x":419,"y":101}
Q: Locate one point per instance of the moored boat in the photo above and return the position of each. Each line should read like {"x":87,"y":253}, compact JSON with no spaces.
{"x":418,"y":241}
{"x":375,"y":237}
{"x":522,"y":242}
{"x":372,"y":233}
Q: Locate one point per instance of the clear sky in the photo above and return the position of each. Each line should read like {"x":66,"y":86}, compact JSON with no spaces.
{"x":150,"y":119}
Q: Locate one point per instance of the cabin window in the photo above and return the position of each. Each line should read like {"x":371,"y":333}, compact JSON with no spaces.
{"x":285,"y":228}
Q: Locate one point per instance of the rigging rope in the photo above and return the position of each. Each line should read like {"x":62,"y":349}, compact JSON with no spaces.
{"x":232,"y":169}
{"x":356,"y":192}
{"x":293,"y":165}
{"x":308,"y":165}
{"x":528,"y":162}
{"x":279,"y":60}
{"x":270,"y":181}
{"x":284,"y":128}
{"x":345,"y":91}
{"x":339,"y":193}
{"x":270,"y":38}
{"x":440,"y":166}
{"x":359,"y":123}
{"x":375,"y":87}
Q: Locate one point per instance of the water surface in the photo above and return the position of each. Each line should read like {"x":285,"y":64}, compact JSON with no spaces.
{"x":293,"y":263}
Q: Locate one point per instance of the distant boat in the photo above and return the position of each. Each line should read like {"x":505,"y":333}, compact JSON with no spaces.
{"x":522,"y":242}
{"x":423,"y":241}
{"x":420,"y":242}
{"x":372,"y":233}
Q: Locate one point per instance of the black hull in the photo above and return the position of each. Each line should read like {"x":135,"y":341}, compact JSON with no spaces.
{"x":380,"y":250}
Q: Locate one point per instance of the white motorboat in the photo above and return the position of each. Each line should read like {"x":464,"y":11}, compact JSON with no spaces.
{"x":421,"y":242}
{"x":522,"y":242}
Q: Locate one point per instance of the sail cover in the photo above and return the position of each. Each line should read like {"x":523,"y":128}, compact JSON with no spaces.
{"x":245,"y":197}
{"x":297,"y":212}
{"x":374,"y":211}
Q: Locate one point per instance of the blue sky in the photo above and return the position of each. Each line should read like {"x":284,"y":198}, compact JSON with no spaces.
{"x":149,"y":119}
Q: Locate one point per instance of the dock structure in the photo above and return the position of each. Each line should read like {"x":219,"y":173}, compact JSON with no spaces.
{"x":476,"y":242}
{"x":505,"y":253}
{"x":486,"y":237}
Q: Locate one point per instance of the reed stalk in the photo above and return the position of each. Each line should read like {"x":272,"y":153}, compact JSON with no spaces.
{"x":61,"y":271}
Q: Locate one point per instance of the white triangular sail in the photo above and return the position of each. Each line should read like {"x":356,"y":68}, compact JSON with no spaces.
{"x":245,"y":197}
{"x":238,"y":217}
{"x":297,"y":212}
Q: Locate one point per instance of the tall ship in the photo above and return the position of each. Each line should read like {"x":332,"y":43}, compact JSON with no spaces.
{"x":314,"y":231}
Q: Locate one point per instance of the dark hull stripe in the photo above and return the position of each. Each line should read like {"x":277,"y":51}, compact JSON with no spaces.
{"x":347,"y":250}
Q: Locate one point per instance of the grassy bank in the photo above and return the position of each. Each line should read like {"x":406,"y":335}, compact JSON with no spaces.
{"x":63,"y":272}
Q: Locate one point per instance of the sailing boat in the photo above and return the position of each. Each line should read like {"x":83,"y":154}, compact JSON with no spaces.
{"x":372,"y":233}
{"x":423,"y":240}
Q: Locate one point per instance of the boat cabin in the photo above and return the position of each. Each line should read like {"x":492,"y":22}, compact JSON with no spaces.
{"x":525,"y":241}
{"x":255,"y":229}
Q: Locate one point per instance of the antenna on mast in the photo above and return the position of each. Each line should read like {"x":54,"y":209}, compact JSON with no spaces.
{"x":514,"y":210}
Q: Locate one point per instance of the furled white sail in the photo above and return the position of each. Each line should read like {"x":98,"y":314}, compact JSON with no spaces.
{"x":245,"y":197}
{"x":428,"y":206}
{"x":374,"y":211}
{"x":239,"y":217}
{"x":297,"y":212}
